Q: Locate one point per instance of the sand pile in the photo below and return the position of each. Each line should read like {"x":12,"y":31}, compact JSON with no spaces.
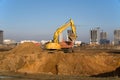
{"x":19,"y":56}
{"x":72,"y":64}
{"x":87,"y":64}
{"x":26,"y":48}
{"x":29,"y":58}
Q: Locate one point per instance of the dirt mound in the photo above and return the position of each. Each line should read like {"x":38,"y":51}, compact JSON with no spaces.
{"x":29,"y":58}
{"x":72,"y":64}
{"x":87,"y":64}
{"x":26,"y":48}
{"x":19,"y":56}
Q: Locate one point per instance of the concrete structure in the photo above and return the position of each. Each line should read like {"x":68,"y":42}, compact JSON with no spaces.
{"x":77,"y":43}
{"x":60,"y":37}
{"x":33,"y":41}
{"x":9,"y":41}
{"x":117,"y":37}
{"x":94,"y":36}
{"x":103,"y":35}
{"x":1,"y":37}
{"x":44,"y":41}
{"x":103,"y":38}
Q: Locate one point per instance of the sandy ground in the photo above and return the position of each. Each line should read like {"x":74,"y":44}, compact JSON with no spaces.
{"x":20,"y":76}
{"x":28,"y":61}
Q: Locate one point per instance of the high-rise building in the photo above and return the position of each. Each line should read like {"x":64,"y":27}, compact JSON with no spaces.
{"x":103,"y":38}
{"x":117,"y":37}
{"x":94,"y":36}
{"x":103,"y":35}
{"x":1,"y":37}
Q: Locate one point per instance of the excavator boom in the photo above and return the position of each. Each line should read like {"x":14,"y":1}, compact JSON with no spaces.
{"x":55,"y":44}
{"x":62,"y":28}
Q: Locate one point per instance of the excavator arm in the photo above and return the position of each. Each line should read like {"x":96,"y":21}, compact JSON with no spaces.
{"x":62,"y":28}
{"x":55,"y":45}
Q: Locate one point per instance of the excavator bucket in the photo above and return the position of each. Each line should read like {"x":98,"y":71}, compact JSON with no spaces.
{"x":72,"y":37}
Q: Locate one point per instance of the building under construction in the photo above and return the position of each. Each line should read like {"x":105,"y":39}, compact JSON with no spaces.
{"x":103,"y":38}
{"x":103,"y":35}
{"x":94,"y":36}
{"x":117,"y":37}
{"x":1,"y":37}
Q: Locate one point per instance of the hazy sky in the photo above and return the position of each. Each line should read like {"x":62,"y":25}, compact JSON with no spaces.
{"x":38,"y":19}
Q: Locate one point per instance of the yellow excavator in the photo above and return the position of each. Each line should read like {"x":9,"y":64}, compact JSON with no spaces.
{"x":55,"y":44}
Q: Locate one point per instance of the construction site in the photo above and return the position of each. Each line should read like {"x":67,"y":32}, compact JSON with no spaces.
{"x":63,"y":60}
